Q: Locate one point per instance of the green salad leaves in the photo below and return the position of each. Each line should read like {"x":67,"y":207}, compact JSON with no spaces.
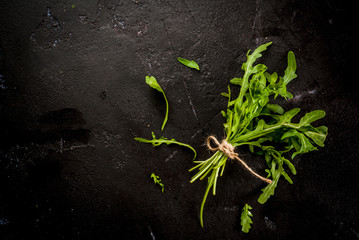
{"x":264,"y":127}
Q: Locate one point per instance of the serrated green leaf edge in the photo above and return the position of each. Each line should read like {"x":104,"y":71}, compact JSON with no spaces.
{"x":162,"y":140}
{"x":246,"y":220}
{"x":157,"y":180}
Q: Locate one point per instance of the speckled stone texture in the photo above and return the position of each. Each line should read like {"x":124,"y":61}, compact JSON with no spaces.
{"x":74,"y":97}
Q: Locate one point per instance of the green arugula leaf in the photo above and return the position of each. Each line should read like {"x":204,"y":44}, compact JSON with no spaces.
{"x":157,"y":180}
{"x":269,"y":190}
{"x":317,"y":135}
{"x":237,"y":81}
{"x":152,"y":82}
{"x":275,"y":108}
{"x":246,"y":220}
{"x":289,"y":73}
{"x":311,"y":117}
{"x":188,"y":63}
{"x":249,"y":70}
{"x":287,"y":116}
{"x":162,"y":140}
{"x":305,"y":144}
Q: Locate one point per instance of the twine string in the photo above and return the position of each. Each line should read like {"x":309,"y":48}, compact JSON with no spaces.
{"x":228,"y":150}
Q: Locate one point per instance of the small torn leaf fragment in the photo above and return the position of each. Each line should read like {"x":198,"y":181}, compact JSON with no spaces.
{"x":246,"y":220}
{"x":188,"y":63}
{"x":152,"y":82}
{"x":157,"y":180}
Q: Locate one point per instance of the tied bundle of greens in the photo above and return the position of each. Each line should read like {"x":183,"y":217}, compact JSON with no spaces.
{"x":266,"y":128}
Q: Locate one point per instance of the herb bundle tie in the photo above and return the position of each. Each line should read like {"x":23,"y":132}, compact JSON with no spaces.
{"x":228,"y":150}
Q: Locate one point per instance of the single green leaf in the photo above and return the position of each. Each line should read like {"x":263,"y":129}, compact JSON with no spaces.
{"x":188,"y":63}
{"x":246,"y":220}
{"x":318,"y":136}
{"x":275,"y":108}
{"x":287,"y":116}
{"x":162,"y":140}
{"x":251,"y":58}
{"x":268,"y":158}
{"x":269,"y":189}
{"x":152,"y":82}
{"x":157,"y":180}
{"x":286,"y":176}
{"x":271,"y":78}
{"x":236,"y":81}
{"x":290,"y":166}
{"x":311,"y":117}
{"x":225,"y":95}
{"x":259,"y":68}
{"x":289,"y":73}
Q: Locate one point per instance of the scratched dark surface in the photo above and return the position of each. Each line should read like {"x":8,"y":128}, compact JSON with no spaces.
{"x":73,"y":97}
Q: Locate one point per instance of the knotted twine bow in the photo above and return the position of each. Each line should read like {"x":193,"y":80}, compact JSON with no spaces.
{"x":228,"y":150}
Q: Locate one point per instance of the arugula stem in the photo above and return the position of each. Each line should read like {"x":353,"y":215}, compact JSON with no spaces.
{"x":210,"y":161}
{"x":166,"y":116}
{"x":209,"y":185}
{"x":215,"y":181}
{"x":224,"y":164}
{"x":253,"y":135}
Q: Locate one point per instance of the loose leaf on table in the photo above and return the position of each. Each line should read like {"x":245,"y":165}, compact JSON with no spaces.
{"x":246,"y":220}
{"x":158,"y":141}
{"x":188,"y":63}
{"x":157,"y":180}
{"x":152,"y":82}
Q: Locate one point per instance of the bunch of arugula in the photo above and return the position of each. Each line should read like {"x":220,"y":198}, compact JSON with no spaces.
{"x":251,"y":120}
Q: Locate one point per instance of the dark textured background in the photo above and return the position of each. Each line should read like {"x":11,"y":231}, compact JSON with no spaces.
{"x":73,"y":97}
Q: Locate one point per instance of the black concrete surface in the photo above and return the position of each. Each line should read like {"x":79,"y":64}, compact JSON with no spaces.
{"x":73,"y":97}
